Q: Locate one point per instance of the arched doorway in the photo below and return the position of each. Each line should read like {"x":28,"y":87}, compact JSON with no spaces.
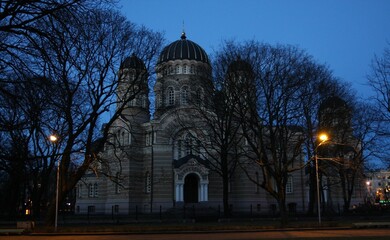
{"x":191,"y":184}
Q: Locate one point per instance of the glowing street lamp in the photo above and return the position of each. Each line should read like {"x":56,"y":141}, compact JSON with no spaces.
{"x":53,"y":138}
{"x":323,"y":138}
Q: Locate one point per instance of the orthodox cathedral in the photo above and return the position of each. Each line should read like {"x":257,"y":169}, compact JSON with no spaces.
{"x":158,"y":165}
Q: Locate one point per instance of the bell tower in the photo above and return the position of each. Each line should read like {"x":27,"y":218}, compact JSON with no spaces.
{"x":133,"y":83}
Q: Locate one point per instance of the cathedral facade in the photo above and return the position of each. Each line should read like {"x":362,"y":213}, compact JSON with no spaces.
{"x":158,"y":164}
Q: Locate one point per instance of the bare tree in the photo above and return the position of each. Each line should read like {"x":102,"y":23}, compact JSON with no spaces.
{"x":18,"y":29}
{"x":83,"y":58}
{"x":278,"y":120}
{"x":218,"y":123}
{"x":25,"y":155}
{"x":352,"y":131}
{"x":379,"y":80}
{"x":79,"y":50}
{"x":25,"y":114}
{"x":321,"y":86}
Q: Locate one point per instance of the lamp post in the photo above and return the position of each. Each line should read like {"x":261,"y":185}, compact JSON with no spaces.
{"x":323,"y":137}
{"x":54,"y":139}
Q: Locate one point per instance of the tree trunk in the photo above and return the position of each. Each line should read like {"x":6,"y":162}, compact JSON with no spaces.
{"x":283,"y":211}
{"x":312,"y":192}
{"x":226,"y":207}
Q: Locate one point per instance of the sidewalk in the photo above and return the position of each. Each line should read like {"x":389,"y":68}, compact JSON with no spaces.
{"x":224,"y":225}
{"x":232,"y":225}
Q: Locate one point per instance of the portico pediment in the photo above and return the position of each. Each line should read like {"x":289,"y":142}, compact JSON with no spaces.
{"x":191,"y":164}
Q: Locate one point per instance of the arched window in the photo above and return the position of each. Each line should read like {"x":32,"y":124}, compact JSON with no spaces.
{"x":171,"y":97}
{"x":179,"y":149}
{"x":178,"y":69}
{"x":188,"y":144}
{"x":192,"y":69}
{"x":199,"y":96}
{"x":117,"y":138}
{"x":196,"y":147}
{"x":289,"y":185}
{"x":95,"y":190}
{"x":143,"y":101}
{"x":79,"y":190}
{"x":90,"y":190}
{"x":158,"y":101}
{"x":148,"y":183}
{"x":185,"y":69}
{"x":184,"y":95}
{"x":117,"y":182}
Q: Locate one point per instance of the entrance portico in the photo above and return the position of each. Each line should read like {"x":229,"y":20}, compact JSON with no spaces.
{"x":191,"y":180}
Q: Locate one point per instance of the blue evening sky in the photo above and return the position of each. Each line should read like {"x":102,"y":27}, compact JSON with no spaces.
{"x":344,"y":34}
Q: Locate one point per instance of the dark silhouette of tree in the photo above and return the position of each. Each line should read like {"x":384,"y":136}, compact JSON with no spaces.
{"x":218,"y":124}
{"x":83,"y":59}
{"x":18,"y":31}
{"x":279,"y":123}
{"x":78,"y":49}
{"x":321,"y":86}
{"x":26,"y":161}
{"x":351,"y":130}
{"x":379,"y":81}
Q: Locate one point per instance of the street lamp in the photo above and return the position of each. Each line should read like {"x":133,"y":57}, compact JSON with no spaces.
{"x":323,"y":138}
{"x":53,"y":138}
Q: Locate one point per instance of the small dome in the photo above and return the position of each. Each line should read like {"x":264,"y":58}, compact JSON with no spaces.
{"x":133,"y":62}
{"x":183,"y":49}
{"x":333,"y":102}
{"x":240,"y":65}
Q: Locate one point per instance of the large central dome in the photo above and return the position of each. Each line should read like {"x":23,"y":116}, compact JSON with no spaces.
{"x":183,"y":49}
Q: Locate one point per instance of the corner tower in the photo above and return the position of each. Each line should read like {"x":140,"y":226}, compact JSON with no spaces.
{"x":183,"y":75}
{"x":335,"y":118}
{"x":133,"y":83}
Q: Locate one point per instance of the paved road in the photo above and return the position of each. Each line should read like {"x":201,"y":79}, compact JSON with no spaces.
{"x":323,"y":234}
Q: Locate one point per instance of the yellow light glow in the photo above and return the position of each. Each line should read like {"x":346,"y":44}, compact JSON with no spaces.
{"x":323,"y":137}
{"x":53,"y":138}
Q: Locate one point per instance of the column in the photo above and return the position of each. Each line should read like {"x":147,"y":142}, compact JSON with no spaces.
{"x":179,"y":192}
{"x":206,"y":192}
{"x":203,"y":192}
